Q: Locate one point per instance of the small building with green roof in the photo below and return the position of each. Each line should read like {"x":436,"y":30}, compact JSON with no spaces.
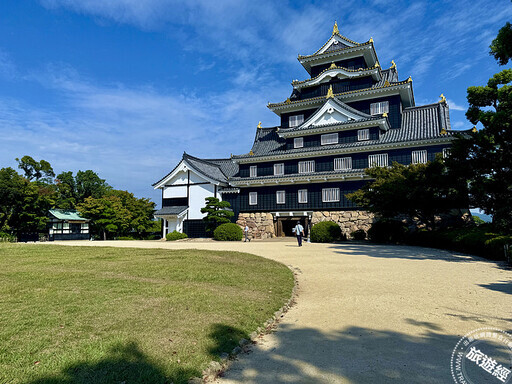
{"x":67,"y":225}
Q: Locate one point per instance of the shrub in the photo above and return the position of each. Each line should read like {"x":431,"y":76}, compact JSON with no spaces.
{"x":228,"y":232}
{"x":7,"y":237}
{"x":125,"y":238}
{"x":326,"y":232}
{"x":360,"y":234}
{"x":175,"y":235}
{"x":388,"y":231}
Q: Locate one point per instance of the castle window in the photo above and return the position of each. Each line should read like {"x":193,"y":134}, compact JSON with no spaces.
{"x":279,"y":169}
{"x":280,"y":197}
{"x":419,"y":157}
{"x":342,"y":164}
{"x":363,"y":134}
{"x":380,"y":160}
{"x":330,"y":195}
{"x":298,"y":142}
{"x":330,"y":138}
{"x":446,"y":152}
{"x":295,"y":121}
{"x":253,"y":171}
{"x":307,"y":166}
{"x":253,"y":198}
{"x":379,"y":108}
{"x":303,"y":196}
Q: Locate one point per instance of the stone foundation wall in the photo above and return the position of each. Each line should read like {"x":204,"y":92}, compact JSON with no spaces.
{"x":261,"y":224}
{"x":349,"y":221}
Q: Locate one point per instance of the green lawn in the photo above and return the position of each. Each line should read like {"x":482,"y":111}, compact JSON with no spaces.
{"x":114,"y":315}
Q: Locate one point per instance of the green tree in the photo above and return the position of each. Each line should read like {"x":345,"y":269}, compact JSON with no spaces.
{"x":118,"y":213}
{"x":216,"y":213}
{"x":483,"y":156}
{"x":12,"y":190}
{"x":38,"y":170}
{"x":73,"y":190}
{"x":418,"y":191}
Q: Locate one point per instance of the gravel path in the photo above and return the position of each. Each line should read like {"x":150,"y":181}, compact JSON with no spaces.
{"x":368,"y":313}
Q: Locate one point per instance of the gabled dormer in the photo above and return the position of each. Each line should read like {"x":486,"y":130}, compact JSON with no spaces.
{"x":339,"y":48}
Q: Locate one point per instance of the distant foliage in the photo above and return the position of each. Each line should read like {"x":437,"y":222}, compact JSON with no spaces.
{"x":326,"y":232}
{"x":388,"y":231}
{"x":360,"y":234}
{"x":175,"y":235}
{"x":7,"y":238}
{"x":228,"y":232}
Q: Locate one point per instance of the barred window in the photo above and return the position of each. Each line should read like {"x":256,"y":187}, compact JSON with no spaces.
{"x":303,"y":196}
{"x":380,"y":160}
{"x":280,"y":197}
{"x":363,"y":134}
{"x":342,"y":163}
{"x":379,"y":108}
{"x":446,"y":152}
{"x":307,"y":166}
{"x":330,"y":138}
{"x":253,"y":198}
{"x":279,"y":169}
{"x":295,"y":121}
{"x":419,"y":157}
{"x":253,"y":171}
{"x":330,"y":195}
{"x":298,"y":142}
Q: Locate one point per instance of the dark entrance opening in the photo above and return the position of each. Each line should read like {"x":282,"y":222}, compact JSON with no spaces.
{"x":286,"y":224}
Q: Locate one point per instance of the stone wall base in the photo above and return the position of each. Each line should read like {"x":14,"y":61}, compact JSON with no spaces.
{"x":261,"y":224}
{"x":349,"y":221}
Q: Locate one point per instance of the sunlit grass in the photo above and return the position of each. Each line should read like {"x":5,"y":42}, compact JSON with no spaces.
{"x":108,"y":315}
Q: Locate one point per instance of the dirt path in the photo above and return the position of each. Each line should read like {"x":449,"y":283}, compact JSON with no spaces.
{"x":368,"y":313}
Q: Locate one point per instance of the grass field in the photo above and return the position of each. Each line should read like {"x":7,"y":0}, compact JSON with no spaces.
{"x":120,"y":315}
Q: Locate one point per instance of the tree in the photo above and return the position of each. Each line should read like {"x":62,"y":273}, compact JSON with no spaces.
{"x":118,"y":213}
{"x":217,"y":213}
{"x":73,"y":190}
{"x":12,"y":190}
{"x":419,"y":191}
{"x":36,"y":169}
{"x":483,"y":156}
{"x":501,"y":46}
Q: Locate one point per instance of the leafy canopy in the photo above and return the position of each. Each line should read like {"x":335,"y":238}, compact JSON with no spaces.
{"x":216,"y":213}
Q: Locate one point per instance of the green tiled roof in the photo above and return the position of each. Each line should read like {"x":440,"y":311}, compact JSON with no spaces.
{"x":66,"y":215}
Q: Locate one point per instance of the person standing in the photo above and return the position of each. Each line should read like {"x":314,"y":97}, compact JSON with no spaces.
{"x":299,"y":232}
{"x":246,"y":232}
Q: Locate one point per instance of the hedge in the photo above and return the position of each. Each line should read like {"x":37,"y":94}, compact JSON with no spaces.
{"x":228,"y":232}
{"x":326,"y":232}
{"x":175,"y":235}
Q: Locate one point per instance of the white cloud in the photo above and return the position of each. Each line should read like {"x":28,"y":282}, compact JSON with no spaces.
{"x":455,"y":107}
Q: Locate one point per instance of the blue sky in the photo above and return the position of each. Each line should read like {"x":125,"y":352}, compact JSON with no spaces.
{"x":123,"y":87}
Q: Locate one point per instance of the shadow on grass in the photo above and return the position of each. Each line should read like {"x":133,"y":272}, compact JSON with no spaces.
{"x":125,"y":364}
{"x":225,"y":338}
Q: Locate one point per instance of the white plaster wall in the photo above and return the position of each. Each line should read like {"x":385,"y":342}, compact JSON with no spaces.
{"x":170,"y":192}
{"x":196,"y":200}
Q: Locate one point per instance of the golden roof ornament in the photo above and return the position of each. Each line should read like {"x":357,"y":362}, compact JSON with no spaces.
{"x":409,"y":80}
{"x":251,"y":153}
{"x":330,"y":93}
{"x":288,"y":101}
{"x":377,"y":65}
{"x":259,"y":125}
{"x":393,"y":65}
{"x":385,"y":114}
{"x":474,"y":130}
{"x":333,"y":66}
{"x":443,"y":99}
{"x":371,"y":40}
{"x":443,"y":132}
{"x":335,"y":30}
{"x":386,"y":83}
